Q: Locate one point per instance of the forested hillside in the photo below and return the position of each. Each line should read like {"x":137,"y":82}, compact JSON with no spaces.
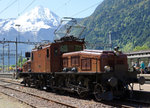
{"x":127,"y":20}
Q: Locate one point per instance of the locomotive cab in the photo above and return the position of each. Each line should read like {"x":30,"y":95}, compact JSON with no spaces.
{"x":48,"y":58}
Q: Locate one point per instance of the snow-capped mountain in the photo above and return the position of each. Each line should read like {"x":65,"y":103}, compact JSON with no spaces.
{"x":35,"y":25}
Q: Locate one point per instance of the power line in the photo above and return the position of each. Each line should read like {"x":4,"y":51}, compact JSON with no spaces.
{"x":85,"y":9}
{"x":8,"y":6}
{"x":27,"y":6}
{"x":6,"y":54}
{"x":29,"y":43}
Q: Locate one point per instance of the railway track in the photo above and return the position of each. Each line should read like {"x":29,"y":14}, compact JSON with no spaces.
{"x":20,"y":100}
{"x":105,"y":104}
{"x":63,"y":104}
{"x":16,"y":90}
{"x":6,"y":75}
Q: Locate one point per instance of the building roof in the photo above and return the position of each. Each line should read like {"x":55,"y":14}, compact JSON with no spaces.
{"x":139,"y":54}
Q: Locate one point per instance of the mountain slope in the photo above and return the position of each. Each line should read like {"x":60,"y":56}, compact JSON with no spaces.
{"x":127,"y":20}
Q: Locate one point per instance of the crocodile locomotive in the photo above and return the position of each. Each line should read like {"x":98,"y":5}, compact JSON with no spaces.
{"x":65,"y":65}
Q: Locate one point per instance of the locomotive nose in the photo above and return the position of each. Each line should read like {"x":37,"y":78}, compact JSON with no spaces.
{"x":113,"y":81}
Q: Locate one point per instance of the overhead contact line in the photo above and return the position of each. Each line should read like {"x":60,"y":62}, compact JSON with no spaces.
{"x":8,"y":6}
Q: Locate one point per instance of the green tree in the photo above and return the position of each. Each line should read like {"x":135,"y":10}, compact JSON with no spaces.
{"x":139,"y":48}
{"x":21,"y":61}
{"x":128,"y":21}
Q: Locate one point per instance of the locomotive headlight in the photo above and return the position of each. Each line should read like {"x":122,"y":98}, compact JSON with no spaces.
{"x":65,"y":69}
{"x":107,"y":68}
{"x":117,"y":53}
{"x":74,"y":69}
{"x":113,"y":81}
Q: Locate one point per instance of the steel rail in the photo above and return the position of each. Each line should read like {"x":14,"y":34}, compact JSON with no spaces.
{"x":67,"y":105}
{"x":115,"y":104}
{"x":20,"y":100}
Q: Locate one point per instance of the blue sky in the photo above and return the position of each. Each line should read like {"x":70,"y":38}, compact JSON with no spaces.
{"x":71,"y":8}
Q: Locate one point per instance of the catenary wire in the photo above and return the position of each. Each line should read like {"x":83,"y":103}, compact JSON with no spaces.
{"x":85,"y":9}
{"x":27,"y":6}
{"x":8,"y":6}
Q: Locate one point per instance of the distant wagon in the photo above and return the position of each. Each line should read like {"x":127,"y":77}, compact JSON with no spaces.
{"x":137,"y":57}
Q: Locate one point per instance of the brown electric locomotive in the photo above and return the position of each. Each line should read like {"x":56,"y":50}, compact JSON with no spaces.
{"x":65,"y":65}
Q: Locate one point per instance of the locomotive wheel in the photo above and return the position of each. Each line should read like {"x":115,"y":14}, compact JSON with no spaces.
{"x":52,"y":84}
{"x":24,"y":82}
{"x":82,"y":89}
{"x":98,"y":91}
{"x":37,"y":84}
{"x":29,"y":83}
{"x":82,"y":94}
{"x":83,"y":82}
{"x":41,"y":85}
{"x":61,"y":84}
{"x":70,"y":79}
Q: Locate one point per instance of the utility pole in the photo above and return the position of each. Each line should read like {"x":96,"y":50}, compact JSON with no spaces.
{"x":21,"y":60}
{"x":18,"y":25}
{"x":16,"y":54}
{"x":9,"y":54}
{"x":8,"y":57}
{"x":3,"y":56}
{"x":110,"y":41}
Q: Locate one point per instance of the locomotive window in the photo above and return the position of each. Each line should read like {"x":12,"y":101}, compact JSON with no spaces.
{"x":75,"y":61}
{"x":65,"y":62}
{"x":78,"y":48}
{"x":86,"y":64}
{"x":27,"y":54}
{"x":71,"y":48}
{"x":55,"y":51}
{"x":47,"y":53}
{"x":64,"y":48}
{"x":32,"y":57}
